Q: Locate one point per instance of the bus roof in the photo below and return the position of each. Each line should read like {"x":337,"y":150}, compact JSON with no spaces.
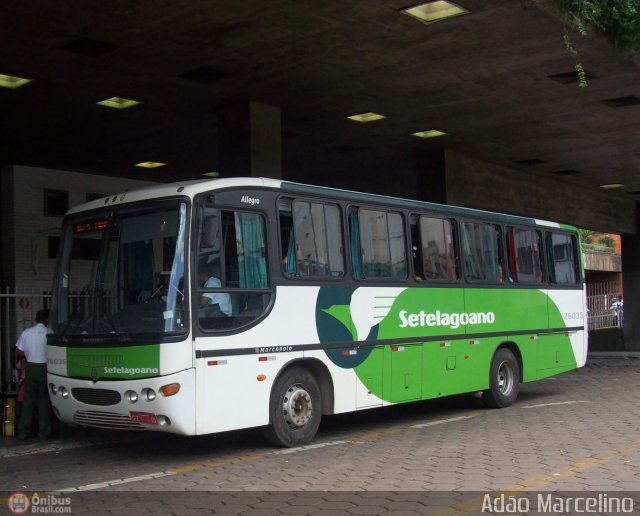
{"x":192,"y":188}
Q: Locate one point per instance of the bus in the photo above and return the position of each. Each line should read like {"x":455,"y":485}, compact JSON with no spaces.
{"x":215,"y":305}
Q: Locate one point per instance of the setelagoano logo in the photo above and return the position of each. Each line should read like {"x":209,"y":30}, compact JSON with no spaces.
{"x":439,"y":318}
{"x":131,"y":370}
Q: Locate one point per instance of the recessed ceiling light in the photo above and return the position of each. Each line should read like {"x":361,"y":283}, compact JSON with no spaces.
{"x":366,"y":117}
{"x":620,"y":102}
{"x":344,"y":148}
{"x":611,"y":186}
{"x":431,"y":133}
{"x":571,"y":77}
{"x":11,"y":82}
{"x":150,"y":164}
{"x":212,"y":174}
{"x":531,"y":161}
{"x":434,"y":11}
{"x":566,"y":172}
{"x":89,"y":47}
{"x":118,"y":103}
{"x":204,"y":75}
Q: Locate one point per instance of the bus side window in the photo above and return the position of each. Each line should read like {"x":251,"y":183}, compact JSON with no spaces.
{"x":482,"y":252}
{"x":287,"y":237}
{"x":437,"y":249}
{"x":416,"y":248}
{"x":232,"y":269}
{"x":383,"y":244}
{"x":524,"y":256}
{"x":311,"y":239}
{"x":561,"y":257}
{"x":356,"y":246}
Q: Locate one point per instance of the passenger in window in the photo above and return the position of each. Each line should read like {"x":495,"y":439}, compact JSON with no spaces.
{"x":429,"y":268}
{"x":208,"y":278}
{"x":303,"y":268}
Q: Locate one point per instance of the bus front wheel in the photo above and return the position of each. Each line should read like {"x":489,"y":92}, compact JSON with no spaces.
{"x":295,"y":409}
{"x":504,"y":380}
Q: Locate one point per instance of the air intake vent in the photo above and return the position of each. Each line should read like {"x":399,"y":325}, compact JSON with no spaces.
{"x":105,"y":420}
{"x":100,"y":397}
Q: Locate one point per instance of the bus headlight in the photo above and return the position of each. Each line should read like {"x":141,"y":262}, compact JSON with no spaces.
{"x":148,"y":394}
{"x":131,"y":396}
{"x":53,"y":389}
{"x":63,"y":392}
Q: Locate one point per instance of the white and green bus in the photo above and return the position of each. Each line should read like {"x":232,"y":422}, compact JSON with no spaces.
{"x":208,"y":306}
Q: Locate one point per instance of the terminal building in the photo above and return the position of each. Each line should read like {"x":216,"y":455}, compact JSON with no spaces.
{"x":478,"y":105}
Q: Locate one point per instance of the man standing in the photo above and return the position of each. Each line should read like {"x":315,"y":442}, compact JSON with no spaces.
{"x":32,"y":349}
{"x":617,"y":308}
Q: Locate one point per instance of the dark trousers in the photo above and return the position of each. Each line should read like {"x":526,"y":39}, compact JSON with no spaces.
{"x":35,"y":395}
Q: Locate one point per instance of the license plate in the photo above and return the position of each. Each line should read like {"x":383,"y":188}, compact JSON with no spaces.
{"x":145,"y":418}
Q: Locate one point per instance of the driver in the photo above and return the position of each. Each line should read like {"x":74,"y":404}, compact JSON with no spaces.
{"x":208,"y":278}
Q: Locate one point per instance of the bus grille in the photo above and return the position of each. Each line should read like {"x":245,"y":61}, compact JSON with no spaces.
{"x":102,"y":397}
{"x":105,"y":420}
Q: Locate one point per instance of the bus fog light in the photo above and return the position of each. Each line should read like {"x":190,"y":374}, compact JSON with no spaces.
{"x":63,"y":392}
{"x":53,"y":389}
{"x":170,"y":389}
{"x":131,"y":396}
{"x":148,"y":394}
{"x":163,"y":420}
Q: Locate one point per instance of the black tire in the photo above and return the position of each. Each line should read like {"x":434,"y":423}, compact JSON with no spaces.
{"x":504,"y":380}
{"x":295,"y":409}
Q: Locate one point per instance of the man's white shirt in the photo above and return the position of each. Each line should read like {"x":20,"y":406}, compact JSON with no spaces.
{"x":33,"y":343}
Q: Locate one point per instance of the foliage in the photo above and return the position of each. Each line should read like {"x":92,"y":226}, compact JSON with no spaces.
{"x":586,"y":235}
{"x":618,"y":20}
{"x":606,"y":241}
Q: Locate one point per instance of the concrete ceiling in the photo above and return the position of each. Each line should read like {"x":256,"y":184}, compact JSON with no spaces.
{"x":485,"y":78}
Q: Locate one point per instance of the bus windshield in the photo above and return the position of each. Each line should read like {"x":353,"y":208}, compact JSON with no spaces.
{"x":122,"y":273}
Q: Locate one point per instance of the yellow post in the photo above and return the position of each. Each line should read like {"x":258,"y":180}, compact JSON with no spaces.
{"x":9,"y":426}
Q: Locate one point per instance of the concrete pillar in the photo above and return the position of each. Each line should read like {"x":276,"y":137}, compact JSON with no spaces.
{"x":631,"y":287}
{"x":7,"y":227}
{"x":250,"y":142}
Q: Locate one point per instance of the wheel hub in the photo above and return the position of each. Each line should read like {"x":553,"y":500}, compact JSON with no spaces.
{"x":505,"y":378}
{"x":297,"y":406}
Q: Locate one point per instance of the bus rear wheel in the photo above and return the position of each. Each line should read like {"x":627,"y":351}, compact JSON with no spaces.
{"x":295,"y":409}
{"x":504,"y":380}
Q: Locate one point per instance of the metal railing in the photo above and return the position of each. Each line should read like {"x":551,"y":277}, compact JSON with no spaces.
{"x":604,"y":312}
{"x":18,"y":308}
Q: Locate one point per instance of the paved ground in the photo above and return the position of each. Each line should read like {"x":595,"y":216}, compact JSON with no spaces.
{"x":577,"y":432}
